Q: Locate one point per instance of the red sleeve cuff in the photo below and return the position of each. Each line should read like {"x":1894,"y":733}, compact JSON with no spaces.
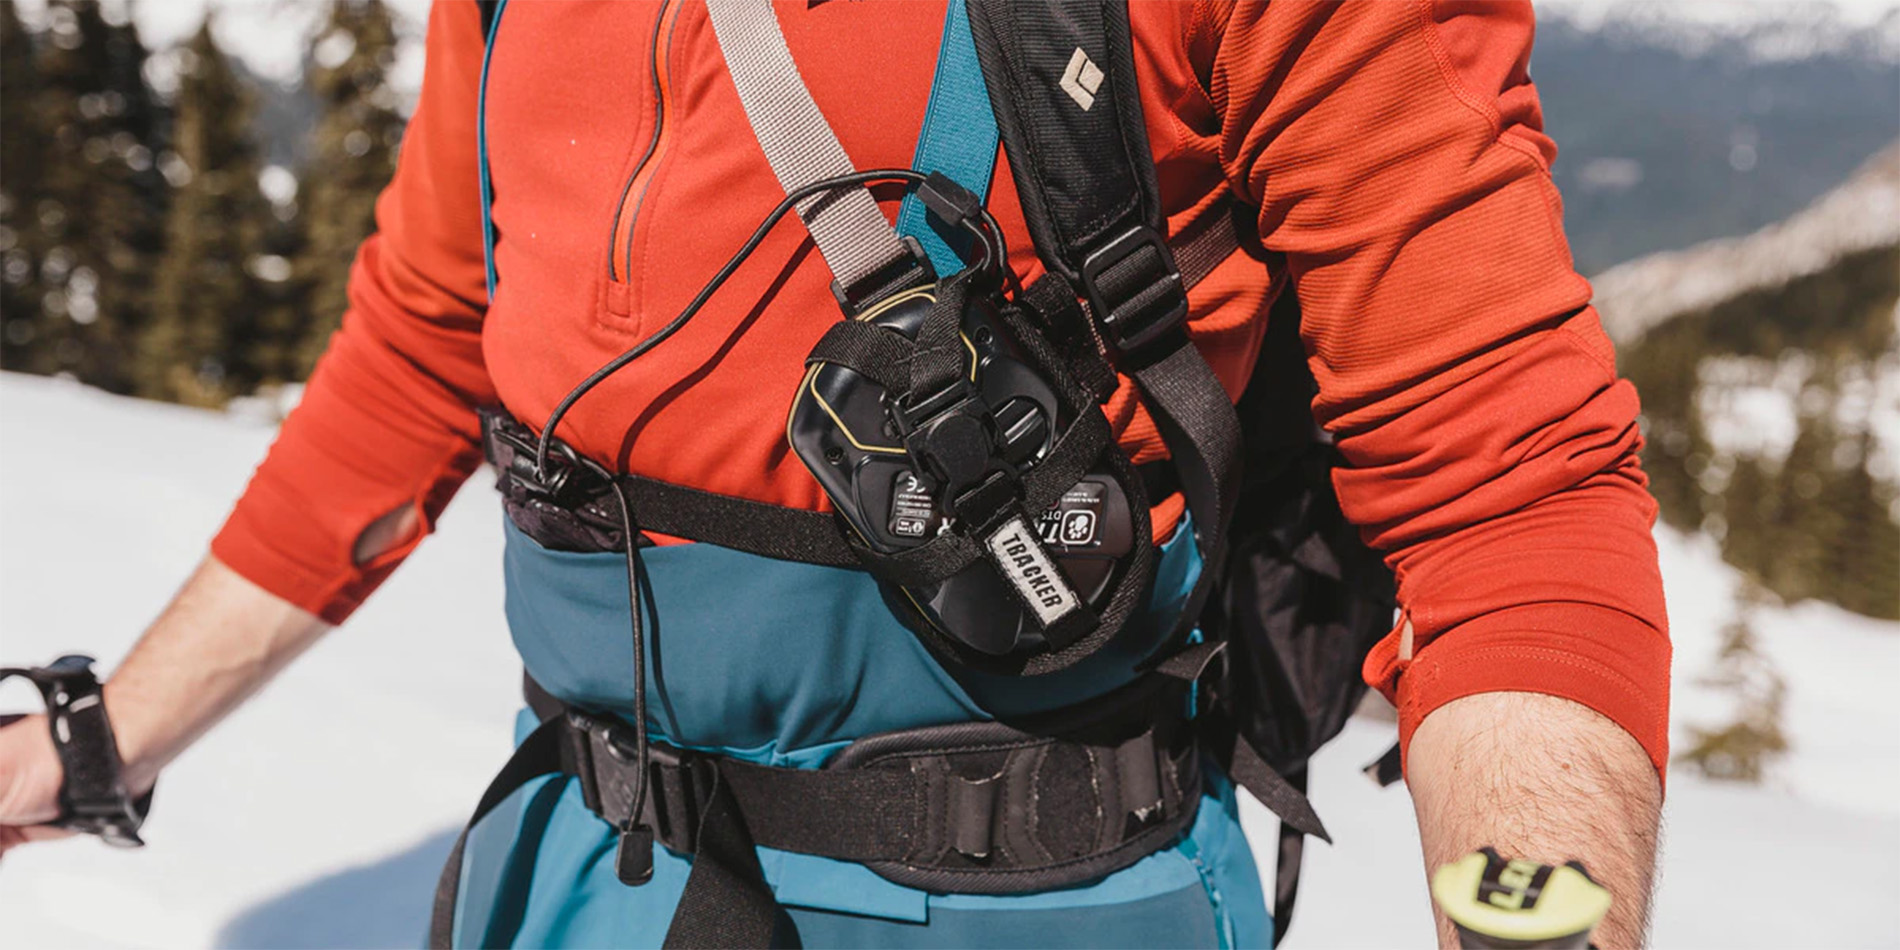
{"x":1600,"y":657}
{"x":282,"y":545}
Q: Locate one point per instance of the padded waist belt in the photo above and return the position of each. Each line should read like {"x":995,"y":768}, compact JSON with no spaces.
{"x":978,"y":808}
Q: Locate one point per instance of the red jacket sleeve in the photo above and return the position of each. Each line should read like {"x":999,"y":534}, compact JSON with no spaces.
{"x":388,"y":417}
{"x":1396,"y":153}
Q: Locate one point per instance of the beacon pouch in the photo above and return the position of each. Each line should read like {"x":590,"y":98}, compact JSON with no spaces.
{"x":976,"y":476}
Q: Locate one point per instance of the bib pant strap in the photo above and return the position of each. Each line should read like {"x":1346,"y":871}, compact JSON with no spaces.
{"x":958,"y":139}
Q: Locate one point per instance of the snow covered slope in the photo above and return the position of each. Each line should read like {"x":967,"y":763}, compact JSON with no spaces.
{"x":314,"y":817}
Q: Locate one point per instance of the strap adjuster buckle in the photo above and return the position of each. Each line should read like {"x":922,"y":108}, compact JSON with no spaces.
{"x":511,"y":448}
{"x":902,"y":273}
{"x":1134,"y":288}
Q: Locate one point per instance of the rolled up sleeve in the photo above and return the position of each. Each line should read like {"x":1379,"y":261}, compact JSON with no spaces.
{"x":388,"y":418}
{"x":1396,"y":154}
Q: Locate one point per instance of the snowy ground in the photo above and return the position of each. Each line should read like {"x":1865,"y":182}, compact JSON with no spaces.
{"x":308,"y":821}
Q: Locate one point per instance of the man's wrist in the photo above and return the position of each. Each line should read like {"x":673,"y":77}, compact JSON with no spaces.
{"x":139,"y":756}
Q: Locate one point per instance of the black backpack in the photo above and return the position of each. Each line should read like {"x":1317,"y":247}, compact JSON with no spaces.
{"x":1301,"y":599}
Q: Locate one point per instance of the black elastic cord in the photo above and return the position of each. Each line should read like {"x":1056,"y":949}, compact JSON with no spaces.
{"x":705,"y":293}
{"x":634,"y":566}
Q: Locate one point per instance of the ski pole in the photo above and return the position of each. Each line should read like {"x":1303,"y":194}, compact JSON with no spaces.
{"x":1500,"y":904}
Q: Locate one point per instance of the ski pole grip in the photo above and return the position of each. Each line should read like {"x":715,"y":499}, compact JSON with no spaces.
{"x":1500,"y":904}
{"x":93,"y":798}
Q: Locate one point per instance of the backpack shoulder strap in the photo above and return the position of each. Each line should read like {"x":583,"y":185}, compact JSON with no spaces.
{"x":1061,"y":80}
{"x":1062,"y":83}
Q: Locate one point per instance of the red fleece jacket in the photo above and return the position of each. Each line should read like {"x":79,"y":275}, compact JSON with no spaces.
{"x":1393,"y":151}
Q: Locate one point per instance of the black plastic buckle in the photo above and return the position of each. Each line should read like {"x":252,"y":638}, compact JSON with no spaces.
{"x":680,"y":785}
{"x":901,"y":274}
{"x":679,"y":782}
{"x":512,"y":449}
{"x":1129,"y":331}
{"x":116,"y":822}
{"x":633,"y":855}
{"x":950,"y":434}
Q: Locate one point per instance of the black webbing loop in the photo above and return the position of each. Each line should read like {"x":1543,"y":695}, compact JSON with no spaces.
{"x":1274,"y":790}
{"x":1388,"y":769}
{"x":542,"y":753}
{"x":1051,"y":306}
{"x":727,"y":902}
{"x":941,"y":359}
{"x":878,"y":353}
{"x":774,"y":531}
{"x":1286,"y":868}
{"x":1202,"y":432}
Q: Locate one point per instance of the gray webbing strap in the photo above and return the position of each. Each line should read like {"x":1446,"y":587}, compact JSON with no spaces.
{"x":850,"y":231}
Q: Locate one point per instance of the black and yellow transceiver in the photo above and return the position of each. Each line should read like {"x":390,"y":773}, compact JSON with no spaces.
{"x":853,"y":437}
{"x":1500,"y":904}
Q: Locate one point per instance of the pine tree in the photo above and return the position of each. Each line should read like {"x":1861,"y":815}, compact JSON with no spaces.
{"x":21,"y":152}
{"x":206,"y":299}
{"x":1863,"y":566}
{"x":92,"y":232}
{"x":353,"y":156}
{"x":1746,"y":747}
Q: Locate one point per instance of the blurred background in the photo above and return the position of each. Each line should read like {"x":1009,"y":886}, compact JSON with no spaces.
{"x":183,"y":184}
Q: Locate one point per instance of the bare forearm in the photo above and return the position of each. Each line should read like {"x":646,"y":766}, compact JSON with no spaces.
{"x":1545,"y":779}
{"x":221,"y":638}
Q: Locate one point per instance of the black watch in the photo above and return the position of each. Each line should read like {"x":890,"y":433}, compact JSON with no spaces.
{"x":92,"y":796}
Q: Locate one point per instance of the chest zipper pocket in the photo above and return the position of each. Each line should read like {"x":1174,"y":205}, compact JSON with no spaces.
{"x":633,"y":191}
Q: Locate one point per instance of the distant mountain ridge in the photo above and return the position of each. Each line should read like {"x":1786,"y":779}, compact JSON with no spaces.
{"x":1673,"y":126}
{"x":1765,"y":31}
{"x":1861,"y":214}
{"x":1672,"y":130}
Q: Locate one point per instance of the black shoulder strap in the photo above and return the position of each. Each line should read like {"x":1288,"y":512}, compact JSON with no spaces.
{"x":1062,"y":82}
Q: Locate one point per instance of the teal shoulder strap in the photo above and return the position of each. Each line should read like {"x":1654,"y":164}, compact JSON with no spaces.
{"x":959,"y":139}
{"x":491,"y":21}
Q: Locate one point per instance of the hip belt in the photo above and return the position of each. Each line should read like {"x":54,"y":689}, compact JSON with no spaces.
{"x":980,"y":807}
